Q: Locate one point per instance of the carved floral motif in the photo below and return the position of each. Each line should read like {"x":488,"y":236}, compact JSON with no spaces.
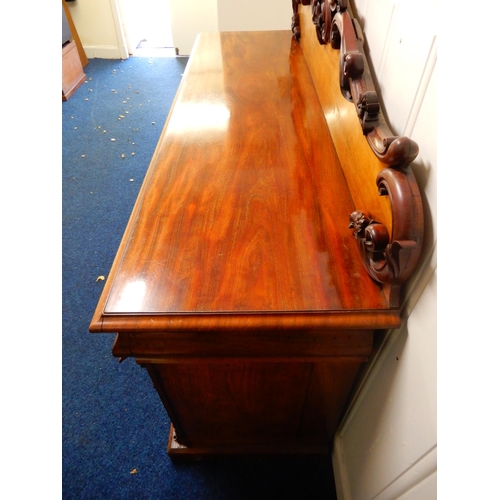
{"x":390,"y":259}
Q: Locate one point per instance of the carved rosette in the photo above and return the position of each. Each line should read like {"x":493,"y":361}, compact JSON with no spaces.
{"x":388,"y":258}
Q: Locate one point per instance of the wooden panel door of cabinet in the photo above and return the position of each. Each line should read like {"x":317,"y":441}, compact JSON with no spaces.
{"x":252,"y":406}
{"x":243,"y":402}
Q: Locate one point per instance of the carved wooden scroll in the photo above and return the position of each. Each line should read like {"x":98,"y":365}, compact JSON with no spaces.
{"x":388,"y":258}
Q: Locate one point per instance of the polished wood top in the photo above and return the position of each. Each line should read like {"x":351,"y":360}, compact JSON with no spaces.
{"x":244,"y":211}
{"x":352,"y":147}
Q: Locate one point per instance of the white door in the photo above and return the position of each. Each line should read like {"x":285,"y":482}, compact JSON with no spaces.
{"x":146,"y":23}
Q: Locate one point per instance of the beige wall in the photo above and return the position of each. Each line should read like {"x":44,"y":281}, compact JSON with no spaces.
{"x":189,"y":19}
{"x":99,"y":22}
{"x":256,"y":15}
{"x":99,"y":28}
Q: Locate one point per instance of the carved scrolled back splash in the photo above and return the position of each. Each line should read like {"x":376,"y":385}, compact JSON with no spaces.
{"x":335,"y":26}
{"x":389,"y":259}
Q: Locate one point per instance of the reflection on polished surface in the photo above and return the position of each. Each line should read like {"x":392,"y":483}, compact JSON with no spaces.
{"x":238,"y":284}
{"x":132,"y":296}
{"x":245,"y":207}
{"x":199,"y":118}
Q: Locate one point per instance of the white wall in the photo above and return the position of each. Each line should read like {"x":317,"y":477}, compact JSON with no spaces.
{"x":386,"y":447}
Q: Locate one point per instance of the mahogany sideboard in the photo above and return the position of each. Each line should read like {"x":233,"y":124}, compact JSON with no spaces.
{"x":274,"y":229}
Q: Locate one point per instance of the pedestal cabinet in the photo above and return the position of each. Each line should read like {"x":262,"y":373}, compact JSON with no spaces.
{"x":238,"y":284}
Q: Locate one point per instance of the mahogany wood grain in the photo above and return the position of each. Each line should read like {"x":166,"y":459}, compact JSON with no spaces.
{"x":187,"y":346}
{"x":246,"y":404}
{"x":242,"y":322}
{"x":238,"y":401}
{"x":238,"y":283}
{"x":330,"y":385}
{"x":357,"y":158}
{"x":178,"y":452}
{"x":245,"y":207}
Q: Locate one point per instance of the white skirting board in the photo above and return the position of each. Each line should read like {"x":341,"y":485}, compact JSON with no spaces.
{"x":339,"y":471}
{"x":103,"y":52}
{"x":407,"y":485}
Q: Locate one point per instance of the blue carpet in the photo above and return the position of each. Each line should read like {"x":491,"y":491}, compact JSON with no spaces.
{"x":114,"y":427}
